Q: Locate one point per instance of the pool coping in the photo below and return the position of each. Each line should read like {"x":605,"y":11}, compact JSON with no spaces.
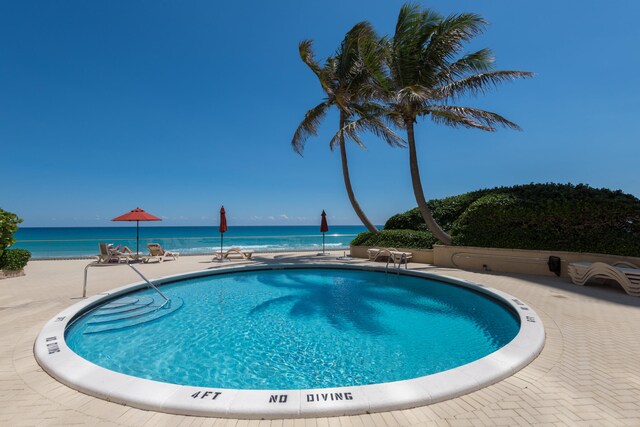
{"x":55,"y":357}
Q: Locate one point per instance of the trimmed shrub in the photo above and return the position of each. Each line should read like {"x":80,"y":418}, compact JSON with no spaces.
{"x":563,"y":217}
{"x":14,"y":259}
{"x":396,"y":239}
{"x":445,"y":211}
{"x":553,"y":217}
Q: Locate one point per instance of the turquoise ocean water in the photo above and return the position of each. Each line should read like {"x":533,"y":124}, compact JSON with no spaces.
{"x":63,"y":242}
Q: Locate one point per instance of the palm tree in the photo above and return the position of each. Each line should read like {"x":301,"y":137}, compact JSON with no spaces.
{"x":427,"y":72}
{"x":348,"y":79}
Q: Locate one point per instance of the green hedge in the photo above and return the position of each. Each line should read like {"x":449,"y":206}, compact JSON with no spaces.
{"x":445,"y":211}
{"x":396,"y":239}
{"x":14,"y":259}
{"x":553,"y":217}
{"x":566,"y":217}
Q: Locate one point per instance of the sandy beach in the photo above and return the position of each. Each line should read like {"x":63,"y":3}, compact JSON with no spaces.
{"x":587,"y":374}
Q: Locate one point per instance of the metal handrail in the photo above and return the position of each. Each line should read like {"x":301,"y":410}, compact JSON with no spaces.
{"x":166,"y":300}
{"x":149,"y":283}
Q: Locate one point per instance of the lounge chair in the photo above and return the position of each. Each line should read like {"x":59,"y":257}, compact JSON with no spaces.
{"x":233,"y":252}
{"x":623,"y":273}
{"x":375,"y":253}
{"x":156,"y":252}
{"x":392,"y":253}
{"x":107,"y":255}
{"x":400,"y":257}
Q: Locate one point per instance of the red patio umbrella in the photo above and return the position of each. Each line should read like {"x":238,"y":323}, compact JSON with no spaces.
{"x":324,"y":227}
{"x":137,"y":215}
{"x":223,"y":227}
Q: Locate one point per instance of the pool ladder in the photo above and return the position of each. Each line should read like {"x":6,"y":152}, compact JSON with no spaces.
{"x":149,"y":284}
{"x":403,"y":256}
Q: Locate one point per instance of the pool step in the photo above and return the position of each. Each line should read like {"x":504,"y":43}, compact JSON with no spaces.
{"x":121,"y":301}
{"x":124,"y":315}
{"x":129,"y":305}
{"x":131,"y":318}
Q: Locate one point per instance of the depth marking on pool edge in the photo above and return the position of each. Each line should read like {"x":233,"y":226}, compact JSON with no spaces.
{"x":522,"y":306}
{"x":52,"y":345}
{"x":206,"y":394}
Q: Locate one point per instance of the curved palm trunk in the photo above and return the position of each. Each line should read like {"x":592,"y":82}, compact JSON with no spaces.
{"x":432,"y":225}
{"x":347,"y":183}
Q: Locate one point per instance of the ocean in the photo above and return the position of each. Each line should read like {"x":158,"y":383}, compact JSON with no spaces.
{"x":70,"y":242}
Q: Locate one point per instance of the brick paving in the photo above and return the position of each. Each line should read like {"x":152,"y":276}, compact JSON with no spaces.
{"x":587,"y":375}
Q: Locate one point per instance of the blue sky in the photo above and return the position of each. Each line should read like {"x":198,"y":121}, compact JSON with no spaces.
{"x":181,"y":106}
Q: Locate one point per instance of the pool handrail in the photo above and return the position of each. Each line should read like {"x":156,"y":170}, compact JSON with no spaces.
{"x":149,"y":283}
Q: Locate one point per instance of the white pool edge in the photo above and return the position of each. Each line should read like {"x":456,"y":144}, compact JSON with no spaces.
{"x":56,"y":358}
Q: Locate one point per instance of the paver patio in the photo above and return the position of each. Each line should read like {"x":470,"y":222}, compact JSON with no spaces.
{"x":587,"y":374}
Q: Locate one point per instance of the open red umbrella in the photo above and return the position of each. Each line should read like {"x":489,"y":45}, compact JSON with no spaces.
{"x":324,"y":227}
{"x":137,"y":215}
{"x":223,"y":227}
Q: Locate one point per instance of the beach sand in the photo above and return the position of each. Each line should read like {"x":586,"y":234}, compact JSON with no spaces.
{"x":587,"y":374}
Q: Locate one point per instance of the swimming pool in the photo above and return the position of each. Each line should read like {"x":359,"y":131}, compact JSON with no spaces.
{"x":275,"y":342}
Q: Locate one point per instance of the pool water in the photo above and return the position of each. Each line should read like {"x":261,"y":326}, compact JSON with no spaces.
{"x":294,"y":329}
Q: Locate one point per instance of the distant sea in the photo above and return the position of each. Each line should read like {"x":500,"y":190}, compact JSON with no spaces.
{"x":64,"y":242}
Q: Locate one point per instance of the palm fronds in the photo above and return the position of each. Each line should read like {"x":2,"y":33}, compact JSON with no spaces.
{"x":309,"y":126}
{"x":479,"y":83}
{"x":456,"y":116}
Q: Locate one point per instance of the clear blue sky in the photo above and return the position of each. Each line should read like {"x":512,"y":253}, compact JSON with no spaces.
{"x":181,"y":106}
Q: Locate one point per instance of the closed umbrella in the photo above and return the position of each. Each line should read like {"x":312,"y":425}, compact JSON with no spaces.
{"x":324,"y":227}
{"x":137,"y":215}
{"x":223,"y":227}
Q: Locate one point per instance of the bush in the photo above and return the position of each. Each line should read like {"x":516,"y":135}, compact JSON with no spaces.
{"x":553,"y":217}
{"x":8,"y":226}
{"x":14,"y":259}
{"x":445,"y":211}
{"x":564,"y":217}
{"x":396,"y":239}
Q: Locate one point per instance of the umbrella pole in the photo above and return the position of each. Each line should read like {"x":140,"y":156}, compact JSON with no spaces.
{"x":221,"y":240}
{"x":322,"y":243}
{"x":137,"y":236}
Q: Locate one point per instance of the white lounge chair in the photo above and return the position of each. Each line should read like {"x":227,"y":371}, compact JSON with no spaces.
{"x":108,"y":256}
{"x":395,"y":255}
{"x":623,"y":273}
{"x":375,"y":253}
{"x":399,"y":257}
{"x":156,"y":252}
{"x":235,"y":252}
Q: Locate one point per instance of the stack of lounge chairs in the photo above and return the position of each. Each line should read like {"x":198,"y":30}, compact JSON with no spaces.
{"x":626,"y":274}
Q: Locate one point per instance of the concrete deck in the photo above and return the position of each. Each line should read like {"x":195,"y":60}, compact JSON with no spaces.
{"x":587,"y":374}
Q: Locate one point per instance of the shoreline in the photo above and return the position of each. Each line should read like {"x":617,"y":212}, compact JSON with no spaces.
{"x":88,"y":257}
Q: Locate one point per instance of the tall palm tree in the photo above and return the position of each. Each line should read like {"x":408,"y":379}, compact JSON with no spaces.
{"x":427,"y":72}
{"x":348,"y":79}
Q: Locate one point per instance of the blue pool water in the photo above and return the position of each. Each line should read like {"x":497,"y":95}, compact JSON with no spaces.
{"x":294,"y":329}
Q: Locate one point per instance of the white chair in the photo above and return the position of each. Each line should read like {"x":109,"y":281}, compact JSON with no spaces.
{"x":235,"y":252}
{"x":156,"y":251}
